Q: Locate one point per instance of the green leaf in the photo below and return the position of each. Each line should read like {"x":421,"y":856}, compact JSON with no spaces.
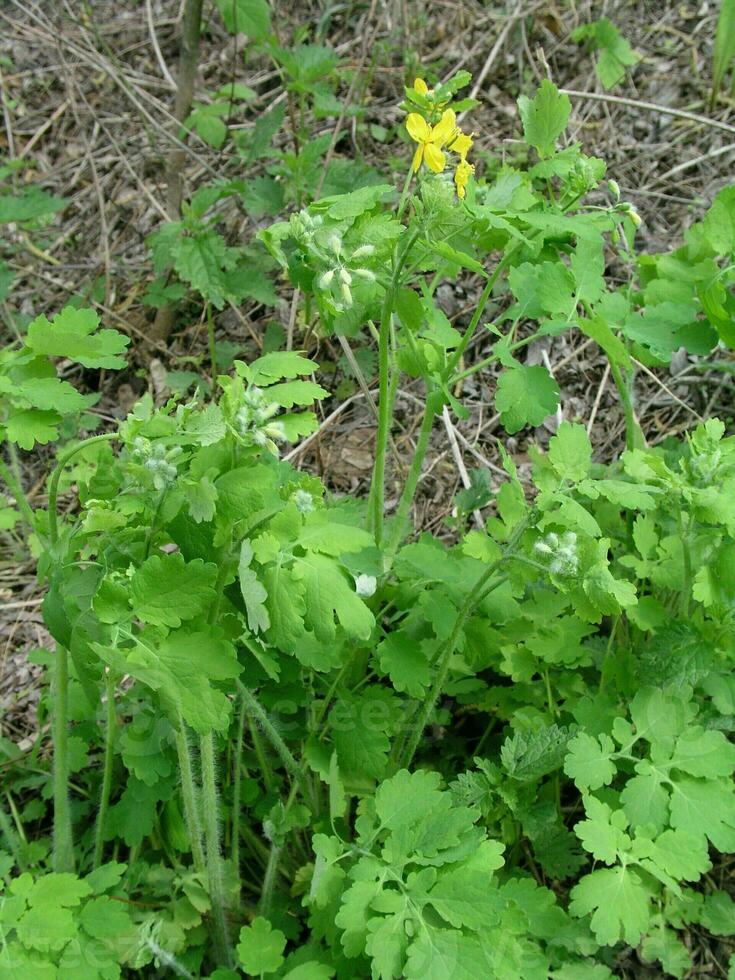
{"x":253,"y":592}
{"x":615,"y":53}
{"x":297,"y":393}
{"x":31,"y":204}
{"x":570,"y":452}
{"x":358,"y":731}
{"x":529,"y":755}
{"x":260,"y":949}
{"x":700,"y":752}
{"x":718,"y":914}
{"x":273,"y":367}
{"x":166,"y":589}
{"x":330,"y":595}
{"x":464,"y":897}
{"x":544,"y":117}
{"x":403,"y":660}
{"x":400,"y":799}
{"x":47,"y":929}
{"x":202,"y":260}
{"x":251,"y":17}
{"x":705,"y":807}
{"x":182,"y":668}
{"x":619,"y":902}
{"x":58,"y":889}
{"x":355,"y":203}
{"x":49,"y":394}
{"x":73,"y":334}
{"x":26,"y":427}
{"x":589,"y":762}
{"x":525,"y":396}
{"x":104,"y":918}
{"x":724,"y":50}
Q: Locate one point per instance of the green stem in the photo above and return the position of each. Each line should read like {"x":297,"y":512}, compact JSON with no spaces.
{"x":212,"y":347}
{"x":475,"y":596}
{"x":63,"y":853}
{"x":210,"y":809}
{"x":13,"y":484}
{"x":189,"y":796}
{"x":236,"y":790}
{"x":479,"y":309}
{"x":258,"y":713}
{"x":686,"y":586}
{"x":111,"y":725}
{"x":409,"y":489}
{"x":404,"y":194}
{"x":376,"y":503}
{"x":12,"y":839}
{"x":633,"y":436}
{"x":269,"y":880}
{"x":53,"y":484}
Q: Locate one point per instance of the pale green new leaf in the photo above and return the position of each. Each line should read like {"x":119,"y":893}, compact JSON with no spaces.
{"x":292,"y":393}
{"x":544,"y":117}
{"x":73,"y":334}
{"x":260,"y":949}
{"x":26,"y":427}
{"x":570,"y":452}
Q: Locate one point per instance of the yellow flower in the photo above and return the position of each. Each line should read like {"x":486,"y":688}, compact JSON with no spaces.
{"x":430,"y":139}
{"x":461,"y":175}
{"x":462,"y":145}
{"x":421,"y":87}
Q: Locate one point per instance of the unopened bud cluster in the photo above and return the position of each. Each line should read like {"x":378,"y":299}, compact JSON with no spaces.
{"x":561,"y":552}
{"x":254,"y":420}
{"x":157,"y":461}
{"x":343,"y":270}
{"x":303,"y":500}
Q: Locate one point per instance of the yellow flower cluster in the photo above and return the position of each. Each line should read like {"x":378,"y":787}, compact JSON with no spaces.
{"x":432,"y":140}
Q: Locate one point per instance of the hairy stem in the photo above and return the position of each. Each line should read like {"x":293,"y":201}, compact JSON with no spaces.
{"x":236,"y":789}
{"x":189,"y":796}
{"x":12,"y":839}
{"x":53,"y":483}
{"x":13,"y":484}
{"x":110,"y":726}
{"x":211,"y":341}
{"x":376,"y":502}
{"x":269,"y":879}
{"x":210,"y":809}
{"x":633,"y":434}
{"x":259,"y":716}
{"x":63,"y":853}
{"x":409,"y":489}
{"x":479,"y":309}
{"x":475,"y":596}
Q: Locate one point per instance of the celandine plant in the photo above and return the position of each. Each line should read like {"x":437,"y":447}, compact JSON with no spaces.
{"x":292,"y":742}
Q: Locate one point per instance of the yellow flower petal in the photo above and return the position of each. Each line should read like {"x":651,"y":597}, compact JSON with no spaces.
{"x":461,"y":176}
{"x":435,"y":159}
{"x":418,"y":157}
{"x":418,"y":128}
{"x":421,"y":87}
{"x":461,"y":145}
{"x":442,"y":132}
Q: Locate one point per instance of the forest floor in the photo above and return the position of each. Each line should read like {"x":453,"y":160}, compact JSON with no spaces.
{"x":89,"y":107}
